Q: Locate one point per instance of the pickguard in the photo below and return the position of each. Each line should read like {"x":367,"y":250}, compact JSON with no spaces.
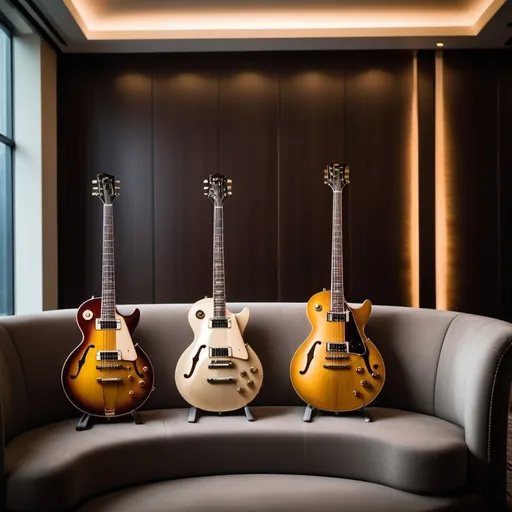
{"x":195,"y":360}
{"x":357,"y":345}
{"x":141,"y":375}
{"x":311,"y":355}
{"x":81,"y":362}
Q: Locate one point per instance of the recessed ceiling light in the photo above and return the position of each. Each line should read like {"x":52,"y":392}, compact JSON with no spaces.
{"x":440,"y":44}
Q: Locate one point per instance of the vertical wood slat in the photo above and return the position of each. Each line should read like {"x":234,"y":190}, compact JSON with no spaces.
{"x":248,"y":145}
{"x":311,"y":135}
{"x":470,"y":98}
{"x":379,"y":99}
{"x":185,"y":109}
{"x":427,"y":177}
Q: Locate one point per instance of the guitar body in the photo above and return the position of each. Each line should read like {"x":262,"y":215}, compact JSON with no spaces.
{"x":241,"y":372}
{"x":353,"y":380}
{"x":125,"y":384}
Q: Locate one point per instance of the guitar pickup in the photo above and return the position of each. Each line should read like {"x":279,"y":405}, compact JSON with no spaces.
{"x":337,"y":366}
{"x":221,"y":380}
{"x":108,"y":325}
{"x":108,"y":355}
{"x":109,"y":367}
{"x":337,"y":346}
{"x":338,"y":317}
{"x":219,"y":363}
{"x":336,"y":357}
{"x":108,"y":380}
{"x":221,"y":352}
{"x":219,"y":323}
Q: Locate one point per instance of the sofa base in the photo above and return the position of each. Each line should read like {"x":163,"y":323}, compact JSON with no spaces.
{"x":268,"y":493}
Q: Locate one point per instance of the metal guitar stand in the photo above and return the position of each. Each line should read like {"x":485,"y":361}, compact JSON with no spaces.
{"x":309,"y":412}
{"x":86,"y":422}
{"x":193,"y":414}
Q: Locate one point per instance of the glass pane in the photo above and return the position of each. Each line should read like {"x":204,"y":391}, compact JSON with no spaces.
{"x":6,"y":248}
{"x":5,"y":84}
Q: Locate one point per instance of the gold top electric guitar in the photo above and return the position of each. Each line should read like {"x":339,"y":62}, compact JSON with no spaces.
{"x":218,"y":372}
{"x":107,"y":375}
{"x":337,"y":368}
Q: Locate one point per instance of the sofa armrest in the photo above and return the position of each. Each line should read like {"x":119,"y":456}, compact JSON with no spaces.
{"x":472,"y":390}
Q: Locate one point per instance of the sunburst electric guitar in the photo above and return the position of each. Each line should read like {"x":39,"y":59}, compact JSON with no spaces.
{"x":337,"y":368}
{"x":107,"y":375}
{"x":218,"y":372}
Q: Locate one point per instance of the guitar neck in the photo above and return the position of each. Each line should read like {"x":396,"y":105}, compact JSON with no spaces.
{"x":108,"y":294}
{"x":219,"y":287}
{"x":337,"y":291}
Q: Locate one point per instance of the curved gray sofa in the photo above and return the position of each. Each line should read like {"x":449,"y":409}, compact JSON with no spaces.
{"x":437,"y":440}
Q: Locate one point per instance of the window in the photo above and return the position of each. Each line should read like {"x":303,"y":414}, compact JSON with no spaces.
{"x":6,"y":189}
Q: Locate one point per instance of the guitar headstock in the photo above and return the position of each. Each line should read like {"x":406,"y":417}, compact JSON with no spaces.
{"x":106,"y":187}
{"x":217,"y":188}
{"x":337,"y":176}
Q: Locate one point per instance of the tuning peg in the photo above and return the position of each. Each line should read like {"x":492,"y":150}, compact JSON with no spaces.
{"x":94,"y":182}
{"x":230,"y":181}
{"x":118,"y":188}
{"x":205,"y":193}
{"x":230,"y":193}
{"x":229,"y":187}
{"x":205,"y":188}
{"x":205,"y":181}
{"x":94,"y":193}
{"x":118,"y":181}
{"x":95,"y":188}
{"x":325,"y":182}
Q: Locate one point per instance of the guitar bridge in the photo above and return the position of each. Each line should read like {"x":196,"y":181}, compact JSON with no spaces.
{"x":220,"y":363}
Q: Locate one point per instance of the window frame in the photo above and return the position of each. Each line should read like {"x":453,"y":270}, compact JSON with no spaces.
{"x":7,"y":140}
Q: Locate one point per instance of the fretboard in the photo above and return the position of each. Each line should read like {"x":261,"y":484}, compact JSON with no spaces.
{"x":219,"y":289}
{"x":337,"y":292}
{"x":108,"y":293}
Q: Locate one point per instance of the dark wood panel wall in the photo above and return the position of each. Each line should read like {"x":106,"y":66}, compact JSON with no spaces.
{"x":271,"y":122}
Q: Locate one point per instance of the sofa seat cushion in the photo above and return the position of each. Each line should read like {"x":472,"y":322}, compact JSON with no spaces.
{"x":269,"y":493}
{"x":404,"y":450}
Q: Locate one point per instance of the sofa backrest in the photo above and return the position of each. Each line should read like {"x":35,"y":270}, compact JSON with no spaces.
{"x":34,"y":347}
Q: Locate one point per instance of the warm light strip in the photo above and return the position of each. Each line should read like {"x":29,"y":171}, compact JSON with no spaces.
{"x":414,"y":209}
{"x":254,"y":21}
{"x":440,"y":190}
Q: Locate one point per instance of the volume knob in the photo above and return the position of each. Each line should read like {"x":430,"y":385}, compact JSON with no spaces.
{"x":359,"y":369}
{"x":142,"y":383}
{"x":250,"y":383}
{"x":131,"y":392}
{"x":254,"y":370}
{"x":241,"y":390}
{"x":243,"y":373}
{"x":376,"y":375}
{"x":130,"y":377}
{"x":355,"y":392}
{"x":364,"y":383}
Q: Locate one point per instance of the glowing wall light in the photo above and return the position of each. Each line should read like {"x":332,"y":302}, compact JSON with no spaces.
{"x":414,"y":212}
{"x":441,"y":193}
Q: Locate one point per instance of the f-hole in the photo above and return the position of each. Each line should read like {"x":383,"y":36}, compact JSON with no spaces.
{"x":311,"y":355}
{"x":195,"y":360}
{"x":81,"y":362}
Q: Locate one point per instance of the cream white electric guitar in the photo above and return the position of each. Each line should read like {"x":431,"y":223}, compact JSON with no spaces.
{"x":218,"y":372}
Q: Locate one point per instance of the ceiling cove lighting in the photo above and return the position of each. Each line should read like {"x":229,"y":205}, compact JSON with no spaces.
{"x":174,"y":19}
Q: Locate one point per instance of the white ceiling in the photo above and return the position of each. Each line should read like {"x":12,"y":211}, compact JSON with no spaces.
{"x":223,"y":25}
